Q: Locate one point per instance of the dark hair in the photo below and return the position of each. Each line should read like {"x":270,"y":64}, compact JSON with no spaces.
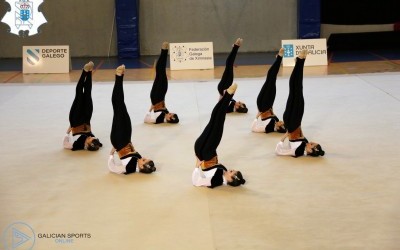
{"x":237,"y":180}
{"x":92,"y":147}
{"x":174,"y":119}
{"x":97,"y":142}
{"x":242,"y":109}
{"x":317,"y":151}
{"x":281,"y":129}
{"x":148,"y":167}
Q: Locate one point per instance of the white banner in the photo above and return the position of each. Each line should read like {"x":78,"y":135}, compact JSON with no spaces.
{"x":317,"y":51}
{"x":191,"y":55}
{"x":45,"y":59}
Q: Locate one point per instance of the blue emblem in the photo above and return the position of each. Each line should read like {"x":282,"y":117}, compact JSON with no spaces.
{"x":25,"y":14}
{"x":289,"y":51}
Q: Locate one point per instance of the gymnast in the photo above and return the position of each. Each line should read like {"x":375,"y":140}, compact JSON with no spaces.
{"x":158,"y":112}
{"x":79,"y":134}
{"x":292,"y":117}
{"x":208,"y":172}
{"x":121,"y":133}
{"x":266,"y":121}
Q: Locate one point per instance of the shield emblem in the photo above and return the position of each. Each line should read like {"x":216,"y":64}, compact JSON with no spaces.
{"x":25,"y":14}
{"x":25,"y":10}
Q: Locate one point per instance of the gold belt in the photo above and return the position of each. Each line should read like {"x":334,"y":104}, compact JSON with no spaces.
{"x":84,"y":128}
{"x":127,"y":150}
{"x":207,"y":164}
{"x":267,"y":114}
{"x":296,"y":134}
{"x":159,"y":106}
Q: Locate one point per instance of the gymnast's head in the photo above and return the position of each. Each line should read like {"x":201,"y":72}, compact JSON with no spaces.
{"x":234,"y":178}
{"x":146,"y":166}
{"x":314,"y":149}
{"x":92,"y":143}
{"x":171,"y":118}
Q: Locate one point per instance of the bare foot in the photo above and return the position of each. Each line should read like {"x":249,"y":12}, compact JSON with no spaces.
{"x":165,"y":45}
{"x":239,"y":42}
{"x":281,"y":51}
{"x":303,"y":54}
{"x":231,"y":90}
{"x":120,"y":70}
{"x":88,"y":66}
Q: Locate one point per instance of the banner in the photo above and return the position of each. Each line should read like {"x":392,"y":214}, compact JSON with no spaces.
{"x":127,"y":23}
{"x":191,"y":55}
{"x":308,"y":19}
{"x":45,"y":59}
{"x":317,"y":51}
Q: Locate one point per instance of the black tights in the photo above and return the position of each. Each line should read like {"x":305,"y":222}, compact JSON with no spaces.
{"x":206,"y":145}
{"x":295,"y":104}
{"x":160,"y":84}
{"x":227,"y":77}
{"x":82,"y":107}
{"x":121,"y":130}
{"x":266,"y":97}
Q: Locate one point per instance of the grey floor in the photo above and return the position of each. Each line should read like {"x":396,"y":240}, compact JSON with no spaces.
{"x":348,"y":199}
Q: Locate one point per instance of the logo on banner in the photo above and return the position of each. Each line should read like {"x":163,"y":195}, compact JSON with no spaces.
{"x":24,"y":16}
{"x":33,"y":56}
{"x":179,"y":53}
{"x":18,"y":235}
{"x":289,"y":51}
